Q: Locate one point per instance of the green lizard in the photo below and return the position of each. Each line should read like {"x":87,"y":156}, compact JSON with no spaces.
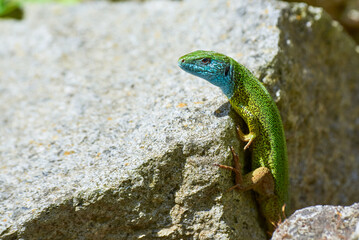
{"x":250,"y":99}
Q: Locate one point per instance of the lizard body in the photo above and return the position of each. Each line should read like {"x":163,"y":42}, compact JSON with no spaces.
{"x":253,"y":103}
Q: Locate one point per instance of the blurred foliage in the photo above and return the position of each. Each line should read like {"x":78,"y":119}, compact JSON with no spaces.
{"x":14,"y":8}
{"x":11,"y":9}
{"x":58,"y":1}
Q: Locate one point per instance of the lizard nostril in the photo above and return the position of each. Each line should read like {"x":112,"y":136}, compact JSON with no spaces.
{"x":182,"y":60}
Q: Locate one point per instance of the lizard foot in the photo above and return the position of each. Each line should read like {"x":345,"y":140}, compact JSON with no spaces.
{"x":280,"y":217}
{"x":237,"y":169}
{"x":246,"y":137}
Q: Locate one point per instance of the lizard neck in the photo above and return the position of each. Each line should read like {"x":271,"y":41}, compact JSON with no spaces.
{"x":226,"y":85}
{"x":226,"y":82}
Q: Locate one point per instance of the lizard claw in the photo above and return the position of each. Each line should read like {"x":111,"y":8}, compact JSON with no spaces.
{"x":246,"y":137}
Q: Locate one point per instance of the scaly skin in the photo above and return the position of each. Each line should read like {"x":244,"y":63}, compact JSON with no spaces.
{"x":254,"y":104}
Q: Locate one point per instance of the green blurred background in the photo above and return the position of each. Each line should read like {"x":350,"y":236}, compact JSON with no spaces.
{"x":14,"y":8}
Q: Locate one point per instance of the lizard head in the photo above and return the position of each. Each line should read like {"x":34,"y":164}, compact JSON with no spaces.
{"x":211,"y":66}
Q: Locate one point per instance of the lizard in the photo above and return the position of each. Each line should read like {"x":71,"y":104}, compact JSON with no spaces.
{"x":266,"y":139}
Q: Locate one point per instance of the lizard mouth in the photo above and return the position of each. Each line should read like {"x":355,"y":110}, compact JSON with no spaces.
{"x":190,"y":67}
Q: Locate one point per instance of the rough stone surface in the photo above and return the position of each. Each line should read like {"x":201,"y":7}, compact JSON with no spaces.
{"x":319,"y":70}
{"x":355,"y":234}
{"x":103,"y":137}
{"x":321,"y":222}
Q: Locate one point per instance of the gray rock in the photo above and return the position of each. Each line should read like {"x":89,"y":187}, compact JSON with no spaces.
{"x":321,"y":222}
{"x":103,"y":137}
{"x":355,"y":234}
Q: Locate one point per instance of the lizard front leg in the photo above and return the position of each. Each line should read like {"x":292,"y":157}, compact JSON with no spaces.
{"x":246,"y":137}
{"x":250,"y":120}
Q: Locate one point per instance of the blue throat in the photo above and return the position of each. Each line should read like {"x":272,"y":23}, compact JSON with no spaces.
{"x":224,"y":83}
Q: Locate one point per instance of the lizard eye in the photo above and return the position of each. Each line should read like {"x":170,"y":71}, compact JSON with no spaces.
{"x":206,"y":60}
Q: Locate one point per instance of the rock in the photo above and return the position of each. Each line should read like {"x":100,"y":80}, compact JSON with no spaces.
{"x":321,"y":222}
{"x":104,"y":137}
{"x":318,"y":65}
